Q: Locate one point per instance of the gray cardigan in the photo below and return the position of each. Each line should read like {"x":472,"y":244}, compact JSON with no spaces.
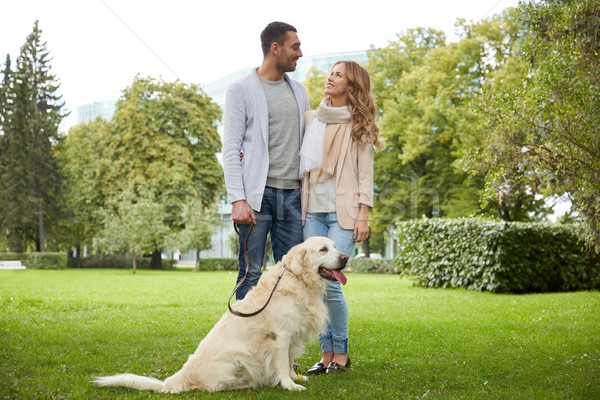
{"x":246,"y":128}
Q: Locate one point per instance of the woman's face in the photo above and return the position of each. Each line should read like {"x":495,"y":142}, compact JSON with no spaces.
{"x":337,"y":86}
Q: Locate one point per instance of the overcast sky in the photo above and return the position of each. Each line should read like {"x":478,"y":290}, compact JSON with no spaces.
{"x":98,"y":46}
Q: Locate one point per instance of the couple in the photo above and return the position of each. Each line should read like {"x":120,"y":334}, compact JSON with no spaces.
{"x":295,"y":181}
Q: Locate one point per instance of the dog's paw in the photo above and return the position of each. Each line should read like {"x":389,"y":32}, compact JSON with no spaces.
{"x":292,"y":386}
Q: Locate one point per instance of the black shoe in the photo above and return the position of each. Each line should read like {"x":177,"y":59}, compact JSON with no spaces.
{"x":317,"y":369}
{"x":334,"y":367}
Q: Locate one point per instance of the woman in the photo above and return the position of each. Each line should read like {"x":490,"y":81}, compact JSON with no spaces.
{"x":336,"y":163}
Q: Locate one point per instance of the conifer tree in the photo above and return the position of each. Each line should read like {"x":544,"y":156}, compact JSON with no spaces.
{"x":30,"y":174}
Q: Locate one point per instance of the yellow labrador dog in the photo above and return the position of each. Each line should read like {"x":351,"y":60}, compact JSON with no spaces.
{"x":241,"y":353}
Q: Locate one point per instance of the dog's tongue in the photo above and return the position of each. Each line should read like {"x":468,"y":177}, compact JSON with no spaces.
{"x":339,"y":275}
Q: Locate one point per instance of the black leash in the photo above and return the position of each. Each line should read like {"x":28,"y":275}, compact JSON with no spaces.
{"x":247,"y":260}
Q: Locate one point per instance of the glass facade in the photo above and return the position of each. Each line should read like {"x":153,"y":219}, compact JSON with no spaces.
{"x":89,"y":112}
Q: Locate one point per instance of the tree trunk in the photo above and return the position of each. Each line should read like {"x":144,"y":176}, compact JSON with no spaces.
{"x":41,"y":233}
{"x":156,"y":262}
{"x":367,"y":247}
{"x":134,"y":263}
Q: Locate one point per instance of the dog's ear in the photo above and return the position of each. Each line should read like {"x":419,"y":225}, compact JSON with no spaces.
{"x":294,"y":260}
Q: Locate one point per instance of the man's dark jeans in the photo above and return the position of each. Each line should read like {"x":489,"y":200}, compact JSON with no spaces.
{"x":281,"y":216}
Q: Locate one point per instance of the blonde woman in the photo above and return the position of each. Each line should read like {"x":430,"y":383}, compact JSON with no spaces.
{"x":336,"y":163}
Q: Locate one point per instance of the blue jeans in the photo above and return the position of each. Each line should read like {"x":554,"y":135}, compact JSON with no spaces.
{"x":335,"y":338}
{"x":281,"y":216}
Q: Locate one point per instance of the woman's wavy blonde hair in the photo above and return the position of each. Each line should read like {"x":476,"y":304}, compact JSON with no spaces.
{"x":364,"y":128}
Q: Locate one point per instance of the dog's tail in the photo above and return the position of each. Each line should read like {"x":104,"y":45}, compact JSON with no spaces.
{"x":130,"y":381}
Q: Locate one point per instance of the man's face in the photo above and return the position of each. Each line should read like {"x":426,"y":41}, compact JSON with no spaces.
{"x":289,"y":53}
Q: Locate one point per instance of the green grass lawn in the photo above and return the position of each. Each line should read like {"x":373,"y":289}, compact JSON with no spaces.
{"x":59,"y":329}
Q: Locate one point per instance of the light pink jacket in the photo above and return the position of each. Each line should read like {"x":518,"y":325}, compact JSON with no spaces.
{"x":354,"y":179}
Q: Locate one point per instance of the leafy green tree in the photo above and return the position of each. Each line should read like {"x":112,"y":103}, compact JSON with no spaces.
{"x":30,"y":193}
{"x":501,"y":37}
{"x":540,"y":129}
{"x":315,"y":86}
{"x":200,"y":222}
{"x":134,"y":224}
{"x":422,"y":85}
{"x":161,"y":146}
{"x":81,"y":155}
{"x":424,"y":88}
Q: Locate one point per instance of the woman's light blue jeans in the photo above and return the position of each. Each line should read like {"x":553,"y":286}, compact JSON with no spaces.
{"x":335,"y":338}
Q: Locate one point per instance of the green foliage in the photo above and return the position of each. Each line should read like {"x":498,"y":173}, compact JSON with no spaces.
{"x":164,"y":140}
{"x":420,"y":84}
{"x":39,"y":260}
{"x":365,"y":265}
{"x":540,"y":113}
{"x":9,"y":256}
{"x":82,"y":160}
{"x":217,"y":264}
{"x":134,"y":225}
{"x":495,"y":256}
{"x":30,"y":113}
{"x":423,"y":86}
{"x":315,"y":86}
{"x":200,"y":223}
{"x":407,"y":76}
{"x":149,"y":177}
{"x":119,"y":261}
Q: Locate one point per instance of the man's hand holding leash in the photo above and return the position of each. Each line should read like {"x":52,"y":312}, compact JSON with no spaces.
{"x":241,"y":213}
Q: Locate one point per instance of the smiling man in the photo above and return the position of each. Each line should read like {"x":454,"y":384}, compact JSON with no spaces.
{"x":264,"y":121}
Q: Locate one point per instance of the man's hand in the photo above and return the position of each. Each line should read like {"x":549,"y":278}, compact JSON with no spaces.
{"x":241,"y":213}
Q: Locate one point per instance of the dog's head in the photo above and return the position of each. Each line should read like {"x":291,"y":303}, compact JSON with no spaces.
{"x":317,"y":254}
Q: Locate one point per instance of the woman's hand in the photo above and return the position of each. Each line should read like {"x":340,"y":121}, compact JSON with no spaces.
{"x":361,"y":226}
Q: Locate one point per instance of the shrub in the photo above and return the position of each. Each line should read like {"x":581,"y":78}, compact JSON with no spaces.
{"x":118,"y":261}
{"x":366,"y":265}
{"x":218,"y":264}
{"x":45,"y":261}
{"x":13,"y":256}
{"x":495,"y":256}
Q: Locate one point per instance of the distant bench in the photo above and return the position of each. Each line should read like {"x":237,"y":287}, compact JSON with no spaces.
{"x":11,"y":265}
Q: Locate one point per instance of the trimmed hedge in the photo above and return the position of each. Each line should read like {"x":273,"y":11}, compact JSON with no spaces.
{"x":366,"y":265}
{"x":500,"y":257}
{"x":118,"y":261}
{"x":355,"y":265}
{"x":45,"y":261}
{"x":218,"y":264}
{"x":8,"y":256}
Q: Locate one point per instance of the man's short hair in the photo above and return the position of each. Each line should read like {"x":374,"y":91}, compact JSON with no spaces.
{"x":274,"y":32}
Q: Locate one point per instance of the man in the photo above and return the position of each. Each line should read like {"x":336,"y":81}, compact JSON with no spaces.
{"x":264,"y":121}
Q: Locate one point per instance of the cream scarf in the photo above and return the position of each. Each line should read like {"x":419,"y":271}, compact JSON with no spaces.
{"x":323,"y":139}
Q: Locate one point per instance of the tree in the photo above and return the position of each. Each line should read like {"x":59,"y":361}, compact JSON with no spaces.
{"x":422,"y":86}
{"x":7,"y":219}
{"x":30,"y":173}
{"x":540,"y":130}
{"x":132,"y":224}
{"x":200,"y":222}
{"x":81,"y":155}
{"x":315,"y":86}
{"x":161,"y":147}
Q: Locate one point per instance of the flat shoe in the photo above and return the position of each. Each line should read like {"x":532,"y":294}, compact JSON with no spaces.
{"x":334,"y":367}
{"x":317,"y":369}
